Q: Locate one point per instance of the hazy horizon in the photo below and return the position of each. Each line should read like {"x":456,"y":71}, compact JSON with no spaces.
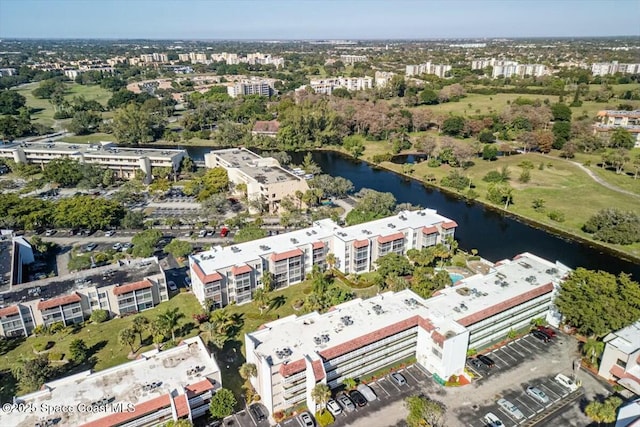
{"x":285,"y":20}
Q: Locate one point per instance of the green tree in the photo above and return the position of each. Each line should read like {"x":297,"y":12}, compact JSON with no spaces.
{"x":262,"y":298}
{"x":561,"y":112}
{"x":349,"y":383}
{"x":562,"y":133}
{"x":424,"y":412}
{"x":592,"y":349}
{"x":489,"y":152}
{"x":145,"y":241}
{"x":249,"y":233}
{"x":222,"y":404}
{"x":248,"y":370}
{"x":320,"y":394}
{"x":393,"y":264}
{"x":99,"y":316}
{"x":178,"y":248}
{"x":453,"y":126}
{"x":139,"y":325}
{"x":87,"y":212}
{"x":63,"y":171}
{"x":586,"y":298}
{"x":127,"y":337}
{"x":603,"y":412}
{"x":84,"y":122}
{"x":215,"y":180}
{"x":428,"y":97}
{"x":486,"y":136}
{"x":133,"y":125}
{"x":33,"y":373}
{"x":169,"y":319}
{"x":78,"y":350}
{"x":622,"y":138}
{"x":133,"y":220}
{"x":371,"y":205}
{"x":11,"y":102}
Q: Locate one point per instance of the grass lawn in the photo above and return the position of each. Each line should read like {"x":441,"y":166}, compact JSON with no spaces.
{"x":484,"y":103}
{"x":88,"y":139}
{"x":43,"y":109}
{"x":564,"y":187}
{"x":102,"y":338}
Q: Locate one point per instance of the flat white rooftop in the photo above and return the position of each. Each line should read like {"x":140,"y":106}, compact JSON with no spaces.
{"x":314,"y":332}
{"x":122,"y":384}
{"x":222,"y":257}
{"x":103,"y":149}
{"x":626,"y":339}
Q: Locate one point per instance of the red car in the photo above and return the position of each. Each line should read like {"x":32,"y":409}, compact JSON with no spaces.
{"x":547,"y":331}
{"x":224,"y":231}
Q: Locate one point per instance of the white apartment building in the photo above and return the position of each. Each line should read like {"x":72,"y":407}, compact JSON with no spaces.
{"x":360,"y":337}
{"x":439,"y":70}
{"x":125,"y":287}
{"x":265,"y":179}
{"x":609,"y":120}
{"x":382,"y":78}
{"x":620,"y":360}
{"x":266,"y":59}
{"x":352,"y":59}
{"x":228,"y":58}
{"x":73,"y":73}
{"x":251,"y":87}
{"x":608,"y":68}
{"x":159,"y":386}
{"x":125,"y":161}
{"x":507,"y":68}
{"x":327,"y":86}
{"x":154,"y":57}
{"x":232,"y":274}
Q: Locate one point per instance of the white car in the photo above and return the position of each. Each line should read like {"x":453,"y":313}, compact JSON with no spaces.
{"x":50,"y":232}
{"x":333,"y":407}
{"x":306,"y":420}
{"x":109,"y":233}
{"x":566,"y":382}
{"x":537,"y":394}
{"x":511,"y":409}
{"x":116,"y":246}
{"x":492,"y":421}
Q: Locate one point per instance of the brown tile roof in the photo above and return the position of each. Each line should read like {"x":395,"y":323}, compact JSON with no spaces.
{"x":438,"y":338}
{"x":285,"y":255}
{"x":426,"y":324}
{"x":205,"y":278}
{"x":9,"y":311}
{"x":318,"y":369}
{"x":318,"y":245}
{"x":505,"y":305}
{"x":390,"y":238}
{"x":449,"y":224}
{"x":55,"y":302}
{"x":263,"y":126}
{"x":240,"y":270}
{"x":199,"y":387}
{"x":130,"y":287}
{"x":360,"y":243}
{"x":430,"y":230}
{"x":182,"y":405}
{"x":140,"y":410}
{"x":619,"y":372}
{"x":288,"y":369}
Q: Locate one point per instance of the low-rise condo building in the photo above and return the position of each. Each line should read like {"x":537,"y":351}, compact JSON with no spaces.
{"x":360,"y":337}
{"x":158,"y":387}
{"x":610,"y":120}
{"x":620,"y":360}
{"x":224,"y":275}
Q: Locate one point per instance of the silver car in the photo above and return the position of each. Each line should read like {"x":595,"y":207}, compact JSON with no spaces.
{"x":333,"y":407}
{"x":510,"y":409}
{"x":306,"y":420}
{"x":537,"y":394}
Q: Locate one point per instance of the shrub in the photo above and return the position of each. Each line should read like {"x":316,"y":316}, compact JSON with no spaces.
{"x":614,"y":226}
{"x":324,"y":418}
{"x":456,"y":180}
{"x":379,"y":158}
{"x":201,"y":318}
{"x":434,"y":162}
{"x":99,"y":316}
{"x":556,"y":216}
{"x":492,"y":176}
{"x":525,"y":176}
{"x":55,"y":356}
{"x":278,"y":416}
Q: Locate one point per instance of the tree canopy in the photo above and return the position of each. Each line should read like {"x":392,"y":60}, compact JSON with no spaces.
{"x":597,"y":302}
{"x":371,"y":205}
{"x":222,"y":404}
{"x":424,"y":412}
{"x":614,"y":226}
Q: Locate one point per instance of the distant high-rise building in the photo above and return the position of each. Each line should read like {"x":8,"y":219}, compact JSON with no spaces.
{"x":327,"y":86}
{"x":251,"y":87}
{"x":382,"y":78}
{"x":352,"y":59}
{"x":608,"y":68}
{"x":439,"y":70}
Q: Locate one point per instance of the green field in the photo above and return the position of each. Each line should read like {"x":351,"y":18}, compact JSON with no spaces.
{"x":103,"y":337}
{"x":88,"y":139}
{"x":43,"y":109}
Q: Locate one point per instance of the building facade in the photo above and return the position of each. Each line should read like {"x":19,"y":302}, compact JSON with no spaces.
{"x":613,"y":67}
{"x":610,"y":120}
{"x":222,"y":276}
{"x":158,"y":387}
{"x":251,"y":87}
{"x":124,"y":161}
{"x":352,"y":59}
{"x":123,"y":288}
{"x":439,"y":70}
{"x":266,"y":181}
{"x":327,"y":86}
{"x":360,"y":337}
{"x":620,"y":360}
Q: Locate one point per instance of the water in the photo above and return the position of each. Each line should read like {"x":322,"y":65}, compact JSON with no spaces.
{"x":494,"y":235}
{"x":455,"y":277}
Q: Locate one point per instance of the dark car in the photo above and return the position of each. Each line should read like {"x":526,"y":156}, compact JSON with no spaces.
{"x":547,"y":331}
{"x":256,"y":411}
{"x":358,"y":398}
{"x":540,"y":335}
{"x":486,"y":360}
{"x":476,"y":363}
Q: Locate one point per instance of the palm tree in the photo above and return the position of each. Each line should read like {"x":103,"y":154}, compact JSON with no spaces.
{"x":267,"y":281}
{"x":248,"y":370}
{"x":592,"y":349}
{"x":331,"y":260}
{"x":127,"y":336}
{"x":170,"y":319}
{"x":208,"y":329}
{"x":222,"y":321}
{"x":320,"y":394}
{"x":262,"y":299}
{"x":349,"y":383}
{"x":139,"y":325}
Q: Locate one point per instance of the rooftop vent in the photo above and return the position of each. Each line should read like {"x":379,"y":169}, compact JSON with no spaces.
{"x":294,"y":240}
{"x":456,"y":309}
{"x":551,"y":271}
{"x":346,"y":320}
{"x":235,"y":249}
{"x":463,"y":306}
{"x":411,"y":302}
{"x":524,"y":264}
{"x":377,"y":309}
{"x":402,"y":217}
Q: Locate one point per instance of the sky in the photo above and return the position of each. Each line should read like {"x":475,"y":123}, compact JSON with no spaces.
{"x":316,"y":19}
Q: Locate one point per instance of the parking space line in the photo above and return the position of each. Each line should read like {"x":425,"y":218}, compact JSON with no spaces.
{"x":525,"y":348}
{"x":411,"y":375}
{"x":383,"y":389}
{"x":535,"y":411}
{"x":511,"y":347}
{"x":251,"y":416}
{"x":550,"y":391}
{"x":393,"y":383}
{"x":507,"y":354}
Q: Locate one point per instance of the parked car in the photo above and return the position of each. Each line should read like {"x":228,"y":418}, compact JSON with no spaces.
{"x":306,"y":420}
{"x":126,"y":246}
{"x":172,"y":286}
{"x":210,"y":233}
{"x":109,"y":233}
{"x":537,"y":394}
{"x":547,"y":331}
{"x":486,"y":360}
{"x":476,"y":363}
{"x":50,"y":232}
{"x":346,"y":403}
{"x":202,"y":233}
{"x":224,"y":231}
{"x":492,"y":421}
{"x":91,"y":246}
{"x":398,"y":378}
{"x":187,"y":281}
{"x":511,"y":409}
{"x":357,"y":398}
{"x":367,"y":392}
{"x":256,"y":411}
{"x":333,"y":407}
{"x":566,"y":382}
{"x":540,"y":335}
{"x":116,"y":246}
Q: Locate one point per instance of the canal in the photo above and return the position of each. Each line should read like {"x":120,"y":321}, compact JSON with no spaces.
{"x":494,"y":235}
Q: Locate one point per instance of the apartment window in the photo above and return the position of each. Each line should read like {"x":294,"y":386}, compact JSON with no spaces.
{"x":621,"y":363}
{"x":429,"y":240}
{"x":361,"y":259}
{"x":436,"y":352}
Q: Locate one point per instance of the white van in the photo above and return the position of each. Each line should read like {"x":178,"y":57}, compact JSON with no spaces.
{"x":367,"y":392}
